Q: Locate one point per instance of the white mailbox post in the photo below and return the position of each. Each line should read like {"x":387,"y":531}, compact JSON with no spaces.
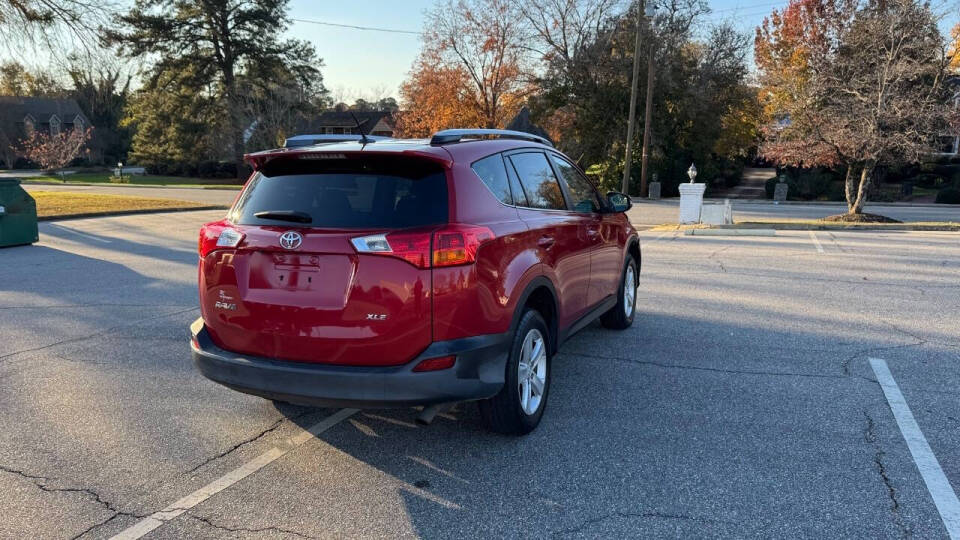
{"x":691,"y":198}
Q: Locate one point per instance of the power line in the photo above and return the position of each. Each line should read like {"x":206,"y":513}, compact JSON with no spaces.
{"x":355,"y":27}
{"x":770,"y":4}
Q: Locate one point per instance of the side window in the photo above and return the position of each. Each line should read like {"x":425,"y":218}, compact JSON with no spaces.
{"x":539,"y":183}
{"x":519,"y":197}
{"x":583,"y":195}
{"x":494,"y":175}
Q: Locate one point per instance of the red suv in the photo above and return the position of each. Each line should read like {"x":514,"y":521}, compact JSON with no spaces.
{"x":411,"y":272}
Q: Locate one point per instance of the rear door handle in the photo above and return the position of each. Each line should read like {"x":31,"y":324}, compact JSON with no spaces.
{"x":546,"y":242}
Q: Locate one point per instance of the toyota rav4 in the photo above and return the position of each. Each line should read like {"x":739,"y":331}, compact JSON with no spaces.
{"x":412,"y":272}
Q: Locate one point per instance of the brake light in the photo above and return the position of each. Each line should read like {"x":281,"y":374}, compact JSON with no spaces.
{"x":217,"y":235}
{"x":453,"y":245}
{"x":458,"y":244}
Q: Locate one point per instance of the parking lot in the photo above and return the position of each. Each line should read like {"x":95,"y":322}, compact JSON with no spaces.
{"x":744,"y":402}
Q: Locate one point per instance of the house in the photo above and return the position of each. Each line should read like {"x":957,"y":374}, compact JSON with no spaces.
{"x":21,"y":116}
{"x":342,"y":122}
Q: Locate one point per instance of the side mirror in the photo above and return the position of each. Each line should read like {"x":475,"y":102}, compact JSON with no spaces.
{"x":619,"y":202}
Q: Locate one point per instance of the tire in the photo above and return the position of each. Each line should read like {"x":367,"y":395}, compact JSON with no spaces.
{"x":620,"y":316}
{"x":508,"y":412}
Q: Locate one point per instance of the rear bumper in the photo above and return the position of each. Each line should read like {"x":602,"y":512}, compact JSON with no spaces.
{"x":478,"y":373}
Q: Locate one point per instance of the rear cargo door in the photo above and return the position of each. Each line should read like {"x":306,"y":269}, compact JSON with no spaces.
{"x":296,"y":288}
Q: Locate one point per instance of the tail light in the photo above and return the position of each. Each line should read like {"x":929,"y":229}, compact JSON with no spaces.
{"x":453,"y":245}
{"x":217,"y":235}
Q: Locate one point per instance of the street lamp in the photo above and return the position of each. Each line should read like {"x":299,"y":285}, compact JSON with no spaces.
{"x":120,"y":169}
{"x":692,"y":172}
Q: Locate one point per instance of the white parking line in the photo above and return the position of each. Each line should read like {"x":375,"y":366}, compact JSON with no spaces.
{"x":816,"y":242}
{"x":943,"y":495}
{"x":157,"y":519}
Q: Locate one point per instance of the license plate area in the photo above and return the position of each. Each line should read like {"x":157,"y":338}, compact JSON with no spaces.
{"x":301,"y":279}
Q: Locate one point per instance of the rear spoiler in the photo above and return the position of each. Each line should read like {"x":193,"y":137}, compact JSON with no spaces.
{"x":258,"y":159}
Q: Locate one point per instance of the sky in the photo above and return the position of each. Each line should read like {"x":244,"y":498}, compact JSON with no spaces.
{"x":363,"y":63}
{"x":371,"y":64}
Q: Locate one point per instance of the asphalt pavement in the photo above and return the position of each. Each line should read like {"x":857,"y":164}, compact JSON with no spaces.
{"x":742,"y":403}
{"x":647,"y":213}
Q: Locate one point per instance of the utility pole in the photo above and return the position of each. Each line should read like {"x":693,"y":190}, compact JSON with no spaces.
{"x":625,"y":187}
{"x":646,"y":124}
{"x":645,"y":10}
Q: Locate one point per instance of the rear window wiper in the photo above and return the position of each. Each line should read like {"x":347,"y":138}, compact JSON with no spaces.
{"x":285,"y":215}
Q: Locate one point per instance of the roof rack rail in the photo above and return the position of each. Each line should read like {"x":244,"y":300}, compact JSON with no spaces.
{"x":456,"y":135}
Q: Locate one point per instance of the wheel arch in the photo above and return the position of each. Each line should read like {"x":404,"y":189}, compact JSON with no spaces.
{"x":540,"y":294}
{"x":633,"y":250}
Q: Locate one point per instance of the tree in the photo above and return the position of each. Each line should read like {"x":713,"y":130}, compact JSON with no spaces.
{"x":477,"y":45}
{"x":870,"y":91}
{"x":51,"y":23}
{"x":207,"y":45}
{"x":172,"y":122}
{"x":701,"y":88}
{"x":101,"y":86}
{"x":436,"y":97}
{"x":15,"y":80}
{"x":54,"y":151}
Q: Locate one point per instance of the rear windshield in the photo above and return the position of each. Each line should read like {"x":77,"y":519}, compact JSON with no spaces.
{"x":346,"y":193}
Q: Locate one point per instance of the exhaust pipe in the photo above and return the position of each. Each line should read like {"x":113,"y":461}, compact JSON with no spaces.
{"x":426,"y":416}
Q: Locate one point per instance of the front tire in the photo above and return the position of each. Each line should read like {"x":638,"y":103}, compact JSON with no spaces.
{"x":620,"y":317}
{"x":518,"y":407}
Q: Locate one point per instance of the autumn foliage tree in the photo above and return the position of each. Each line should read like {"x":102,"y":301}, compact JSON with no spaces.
{"x":469,"y":71}
{"x":55,"y":151}
{"x":853,"y":85}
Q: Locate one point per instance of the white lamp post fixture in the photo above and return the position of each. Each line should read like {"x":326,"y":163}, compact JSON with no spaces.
{"x":691,"y":198}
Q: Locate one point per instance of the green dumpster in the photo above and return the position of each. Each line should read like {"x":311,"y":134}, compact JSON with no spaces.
{"x":18,"y":214}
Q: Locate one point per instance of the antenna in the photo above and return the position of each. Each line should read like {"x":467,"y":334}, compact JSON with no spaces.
{"x":363,"y":137}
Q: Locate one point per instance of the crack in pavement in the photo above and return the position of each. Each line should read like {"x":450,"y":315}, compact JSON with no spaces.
{"x":899,"y":330}
{"x":281,"y":530}
{"x":845,"y":364}
{"x":276,"y":425}
{"x":635,"y":515}
{"x":41,"y":482}
{"x":95,"y":334}
{"x":870,"y":436}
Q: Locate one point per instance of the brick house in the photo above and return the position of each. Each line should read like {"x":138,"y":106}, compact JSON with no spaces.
{"x":20,"y":116}
{"x":342,"y":122}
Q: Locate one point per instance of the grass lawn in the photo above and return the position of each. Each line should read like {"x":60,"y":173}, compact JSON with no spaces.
{"x":64,"y":203}
{"x":136,"y":179}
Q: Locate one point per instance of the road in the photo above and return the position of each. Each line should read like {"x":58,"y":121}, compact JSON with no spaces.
{"x":643,"y":213}
{"x":667,"y":211}
{"x":742,"y":403}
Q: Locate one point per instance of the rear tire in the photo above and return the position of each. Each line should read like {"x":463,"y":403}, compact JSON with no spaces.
{"x":620,"y":317}
{"x":518,"y":407}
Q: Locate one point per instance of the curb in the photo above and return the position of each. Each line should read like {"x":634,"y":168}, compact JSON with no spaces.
{"x":772,"y":226}
{"x":730,"y":232}
{"x":133,"y":212}
{"x":638,"y":200}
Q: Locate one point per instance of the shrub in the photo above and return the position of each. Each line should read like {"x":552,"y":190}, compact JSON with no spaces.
{"x":928,"y":180}
{"x":120,"y":179}
{"x":948,"y":196}
{"x":208,"y":169}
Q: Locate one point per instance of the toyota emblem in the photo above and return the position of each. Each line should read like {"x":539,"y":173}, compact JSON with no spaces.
{"x":290,"y":240}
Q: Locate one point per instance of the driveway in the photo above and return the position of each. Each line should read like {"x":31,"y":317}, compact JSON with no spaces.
{"x":742,"y":403}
